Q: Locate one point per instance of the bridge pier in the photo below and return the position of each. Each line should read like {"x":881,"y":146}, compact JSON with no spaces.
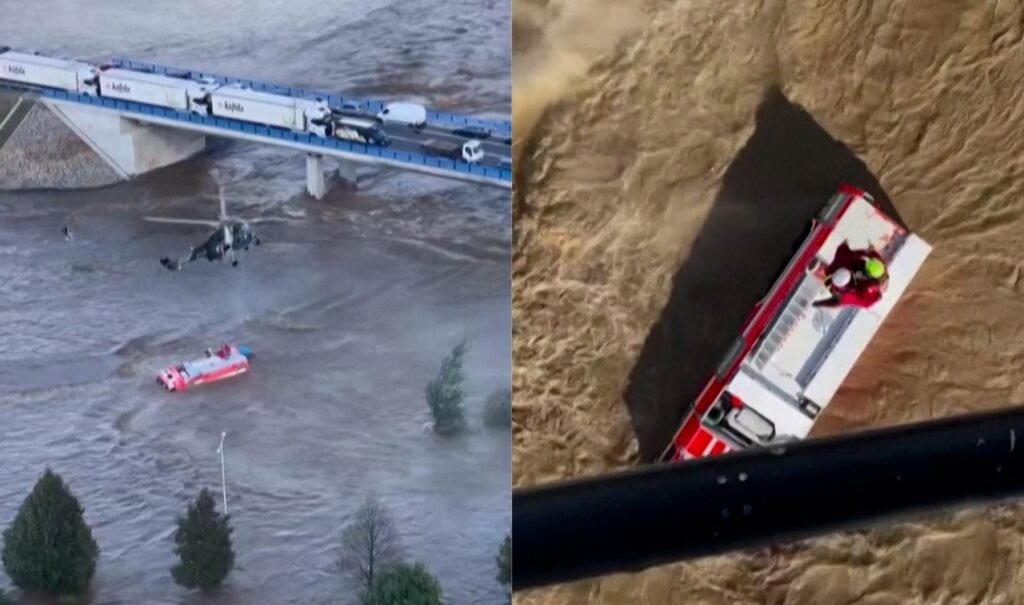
{"x":315,"y":183}
{"x":347,"y":174}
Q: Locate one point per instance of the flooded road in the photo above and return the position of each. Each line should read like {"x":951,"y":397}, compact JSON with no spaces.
{"x":348,"y":306}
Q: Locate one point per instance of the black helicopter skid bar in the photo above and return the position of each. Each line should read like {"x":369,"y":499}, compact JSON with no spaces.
{"x":633,"y":520}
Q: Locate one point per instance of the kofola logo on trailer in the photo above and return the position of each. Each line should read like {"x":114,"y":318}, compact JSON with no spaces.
{"x":121,"y":88}
{"x":15,"y":69}
{"x":233,"y":106}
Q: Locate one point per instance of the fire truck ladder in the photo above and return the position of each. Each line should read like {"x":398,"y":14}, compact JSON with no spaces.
{"x":792,"y":311}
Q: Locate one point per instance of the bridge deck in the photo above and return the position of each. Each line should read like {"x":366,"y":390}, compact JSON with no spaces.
{"x":216,"y":126}
{"x":500,"y":128}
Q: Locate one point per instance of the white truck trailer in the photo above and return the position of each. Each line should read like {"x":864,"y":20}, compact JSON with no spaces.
{"x":299,"y":115}
{"x":153,"y":89}
{"x":36,"y":70}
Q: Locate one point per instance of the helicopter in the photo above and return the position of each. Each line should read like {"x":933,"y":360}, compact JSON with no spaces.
{"x":230,"y":234}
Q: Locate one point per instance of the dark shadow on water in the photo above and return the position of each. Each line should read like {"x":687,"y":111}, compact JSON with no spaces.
{"x":784,"y":175}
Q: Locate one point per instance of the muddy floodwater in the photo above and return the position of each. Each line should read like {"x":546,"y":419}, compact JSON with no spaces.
{"x":349,"y":306}
{"x":671,"y":154}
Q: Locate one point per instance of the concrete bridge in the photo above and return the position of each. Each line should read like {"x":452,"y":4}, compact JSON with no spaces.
{"x":133,"y":138}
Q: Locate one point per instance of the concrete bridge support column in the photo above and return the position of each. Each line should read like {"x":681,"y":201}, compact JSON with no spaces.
{"x":347,"y":174}
{"x":315,"y":184}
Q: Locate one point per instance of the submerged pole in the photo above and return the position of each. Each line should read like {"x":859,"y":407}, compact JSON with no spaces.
{"x":629,"y":521}
{"x":223,"y":472}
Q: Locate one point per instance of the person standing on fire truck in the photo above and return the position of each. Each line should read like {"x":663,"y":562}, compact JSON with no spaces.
{"x":854,"y":278}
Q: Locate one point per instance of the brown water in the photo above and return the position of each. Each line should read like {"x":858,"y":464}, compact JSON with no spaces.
{"x":671,"y":153}
{"x":349,"y":306}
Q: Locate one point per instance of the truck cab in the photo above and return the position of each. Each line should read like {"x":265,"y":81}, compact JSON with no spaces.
{"x":317,"y":116}
{"x":89,"y":81}
{"x":199,"y":96}
{"x":473,"y":151}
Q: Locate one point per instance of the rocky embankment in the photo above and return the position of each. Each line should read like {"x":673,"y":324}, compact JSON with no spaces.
{"x":39,"y":151}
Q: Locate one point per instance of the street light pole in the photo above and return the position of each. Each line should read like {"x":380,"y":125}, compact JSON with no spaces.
{"x":223,"y":473}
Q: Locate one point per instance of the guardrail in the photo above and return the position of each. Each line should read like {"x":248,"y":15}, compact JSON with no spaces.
{"x":272,"y":133}
{"x":503,"y":129}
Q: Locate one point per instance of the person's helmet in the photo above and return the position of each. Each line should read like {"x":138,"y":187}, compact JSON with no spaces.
{"x":874,"y":268}
{"x":841,"y":278}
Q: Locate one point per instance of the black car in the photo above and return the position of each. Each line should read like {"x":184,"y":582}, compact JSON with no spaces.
{"x":472,"y":132}
{"x":507,"y":140}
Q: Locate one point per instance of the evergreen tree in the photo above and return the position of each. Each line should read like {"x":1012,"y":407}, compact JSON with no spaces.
{"x":49,"y":548}
{"x":405,"y":584}
{"x":444,"y":393}
{"x":505,"y":564}
{"x":498,"y":409}
{"x":203,"y":543}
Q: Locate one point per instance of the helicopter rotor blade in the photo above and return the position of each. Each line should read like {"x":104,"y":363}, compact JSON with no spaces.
{"x":182,"y":221}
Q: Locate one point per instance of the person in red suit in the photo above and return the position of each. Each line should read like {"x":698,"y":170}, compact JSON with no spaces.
{"x":854,"y":278}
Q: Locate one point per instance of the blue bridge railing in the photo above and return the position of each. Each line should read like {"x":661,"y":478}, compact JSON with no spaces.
{"x":272,"y":133}
{"x":499,"y":128}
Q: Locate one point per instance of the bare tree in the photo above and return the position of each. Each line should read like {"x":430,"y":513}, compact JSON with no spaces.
{"x":369,"y":543}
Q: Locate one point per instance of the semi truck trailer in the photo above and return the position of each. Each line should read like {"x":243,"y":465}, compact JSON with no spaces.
{"x":299,"y":115}
{"x":153,"y":89}
{"x":30,"y":69}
